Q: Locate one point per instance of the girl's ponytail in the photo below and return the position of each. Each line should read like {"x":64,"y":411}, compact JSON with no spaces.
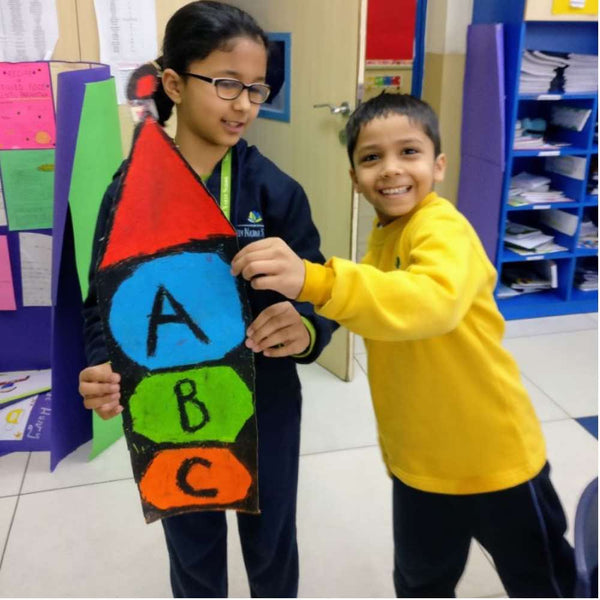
{"x":145,"y":86}
{"x":164,"y":104}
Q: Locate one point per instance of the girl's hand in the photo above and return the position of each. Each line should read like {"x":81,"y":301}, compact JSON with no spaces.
{"x":101,"y":391}
{"x":270,"y":264}
{"x":278,"y":331}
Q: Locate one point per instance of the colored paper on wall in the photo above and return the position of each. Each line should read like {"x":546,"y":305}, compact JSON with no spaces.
{"x":15,"y":385}
{"x":36,"y":268}
{"x":26,"y":106}
{"x":25,"y":426}
{"x":390,"y":30}
{"x":575,"y":7}
{"x":174,"y":321}
{"x":92,"y":170}
{"x":7,"y":290}
{"x":28,"y":185}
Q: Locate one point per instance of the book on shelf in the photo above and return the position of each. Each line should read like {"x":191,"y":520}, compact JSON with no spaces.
{"x":527,"y":240}
{"x":528,"y":278}
{"x":549,"y":247}
{"x":504,"y":291}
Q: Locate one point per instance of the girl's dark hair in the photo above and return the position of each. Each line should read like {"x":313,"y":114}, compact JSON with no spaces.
{"x":196,"y":30}
{"x":416,"y":110}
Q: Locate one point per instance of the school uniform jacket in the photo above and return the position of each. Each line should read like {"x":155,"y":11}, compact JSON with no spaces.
{"x":265,"y":202}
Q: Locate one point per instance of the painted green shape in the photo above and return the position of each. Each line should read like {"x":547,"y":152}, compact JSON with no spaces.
{"x":92,"y":172}
{"x":195,"y":405}
{"x":105,"y":433}
{"x":98,"y":154}
{"x":28,"y":181}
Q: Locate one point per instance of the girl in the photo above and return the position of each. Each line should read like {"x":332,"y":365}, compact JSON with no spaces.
{"x":213,"y":71}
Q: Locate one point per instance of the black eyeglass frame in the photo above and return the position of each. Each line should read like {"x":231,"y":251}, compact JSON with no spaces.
{"x":215,"y":81}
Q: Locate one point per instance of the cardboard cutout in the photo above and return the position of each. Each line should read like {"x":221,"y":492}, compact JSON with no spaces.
{"x":175,"y":321}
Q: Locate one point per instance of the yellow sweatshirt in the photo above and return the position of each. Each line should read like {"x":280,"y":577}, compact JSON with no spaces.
{"x":452,"y":413}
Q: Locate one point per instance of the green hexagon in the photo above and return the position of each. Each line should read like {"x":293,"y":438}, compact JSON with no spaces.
{"x":196,"y":405}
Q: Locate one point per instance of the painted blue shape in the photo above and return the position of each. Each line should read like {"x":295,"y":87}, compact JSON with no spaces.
{"x":590,"y":424}
{"x":198,"y":300}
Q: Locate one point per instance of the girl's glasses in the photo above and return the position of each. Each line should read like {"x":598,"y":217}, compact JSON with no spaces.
{"x":230,"y":89}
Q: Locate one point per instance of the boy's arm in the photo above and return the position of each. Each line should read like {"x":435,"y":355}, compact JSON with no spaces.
{"x":291,"y":220}
{"x":270,"y":264}
{"x":426,"y":299}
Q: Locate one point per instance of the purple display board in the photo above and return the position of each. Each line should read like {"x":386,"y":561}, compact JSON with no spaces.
{"x":72,"y":423}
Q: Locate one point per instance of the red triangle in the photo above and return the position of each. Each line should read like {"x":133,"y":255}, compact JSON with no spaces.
{"x":161,"y":203}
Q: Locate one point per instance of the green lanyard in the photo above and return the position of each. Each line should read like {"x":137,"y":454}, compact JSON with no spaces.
{"x":225,"y":199}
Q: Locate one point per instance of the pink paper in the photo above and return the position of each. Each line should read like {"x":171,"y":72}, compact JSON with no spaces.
{"x":7,"y":292}
{"x":26,"y":106}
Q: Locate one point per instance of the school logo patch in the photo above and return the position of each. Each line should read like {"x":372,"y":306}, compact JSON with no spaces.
{"x":253,"y":229}
{"x":254,"y":217}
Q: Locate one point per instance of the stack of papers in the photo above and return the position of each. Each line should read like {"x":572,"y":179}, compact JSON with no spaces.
{"x":543,"y":72}
{"x":586,"y":278}
{"x":528,"y":278}
{"x":526,"y":188}
{"x":588,"y":234}
{"x":528,"y":138}
{"x":582,"y":73}
{"x":527,"y":240}
{"x":538,"y":71}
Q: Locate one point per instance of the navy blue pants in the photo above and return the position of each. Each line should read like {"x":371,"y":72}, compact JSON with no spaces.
{"x":197,"y":542}
{"x":522,"y":528}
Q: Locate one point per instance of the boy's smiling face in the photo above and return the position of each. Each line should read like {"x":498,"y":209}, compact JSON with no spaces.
{"x":395,"y":165}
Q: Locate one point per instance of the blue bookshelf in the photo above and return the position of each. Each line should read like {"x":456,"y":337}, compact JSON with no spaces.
{"x":492,"y":105}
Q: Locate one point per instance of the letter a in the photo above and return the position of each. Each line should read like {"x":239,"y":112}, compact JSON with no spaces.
{"x":159,"y":318}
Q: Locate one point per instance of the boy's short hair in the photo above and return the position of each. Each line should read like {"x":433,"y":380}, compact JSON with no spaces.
{"x":416,"y":110}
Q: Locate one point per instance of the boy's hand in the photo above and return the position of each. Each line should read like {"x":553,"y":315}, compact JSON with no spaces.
{"x":101,"y":390}
{"x":278,"y":331}
{"x":270,"y":264}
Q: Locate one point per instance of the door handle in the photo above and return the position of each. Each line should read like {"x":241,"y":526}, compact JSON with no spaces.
{"x":343,"y":109}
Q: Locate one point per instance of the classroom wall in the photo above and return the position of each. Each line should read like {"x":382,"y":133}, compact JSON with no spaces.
{"x":445,"y":48}
{"x":447,"y":21}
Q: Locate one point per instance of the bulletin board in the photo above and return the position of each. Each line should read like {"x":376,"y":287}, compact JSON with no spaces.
{"x":55,"y":116}
{"x":27,"y":173}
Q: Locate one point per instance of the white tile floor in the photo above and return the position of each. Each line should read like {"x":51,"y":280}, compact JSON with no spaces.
{"x":79,"y":532}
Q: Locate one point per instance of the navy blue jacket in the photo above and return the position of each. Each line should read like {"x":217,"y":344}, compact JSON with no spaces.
{"x":265,"y":202}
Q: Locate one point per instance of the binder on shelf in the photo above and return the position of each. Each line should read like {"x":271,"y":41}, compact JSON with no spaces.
{"x":570,"y":166}
{"x":560,"y":220}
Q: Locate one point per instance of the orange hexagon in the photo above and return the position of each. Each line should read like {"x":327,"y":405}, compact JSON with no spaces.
{"x":193,"y":477}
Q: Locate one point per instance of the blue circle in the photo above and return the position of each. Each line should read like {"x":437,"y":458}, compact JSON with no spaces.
{"x":203,"y":287}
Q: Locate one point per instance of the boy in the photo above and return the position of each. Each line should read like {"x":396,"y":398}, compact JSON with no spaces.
{"x":457,"y":430}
